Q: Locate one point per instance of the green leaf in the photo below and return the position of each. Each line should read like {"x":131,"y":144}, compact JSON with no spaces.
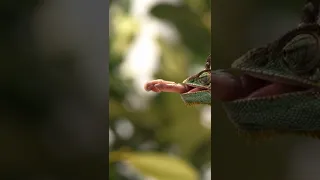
{"x":193,"y":31}
{"x":160,"y":166}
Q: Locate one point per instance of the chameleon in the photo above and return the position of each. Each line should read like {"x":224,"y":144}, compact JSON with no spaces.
{"x":273,"y":89}
{"x":194,"y":90}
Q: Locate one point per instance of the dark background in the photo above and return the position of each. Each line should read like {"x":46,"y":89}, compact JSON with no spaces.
{"x":238,"y":26}
{"x":53,"y":90}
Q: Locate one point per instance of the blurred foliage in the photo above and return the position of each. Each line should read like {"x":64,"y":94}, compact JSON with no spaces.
{"x":187,"y":22}
{"x":166,"y":128}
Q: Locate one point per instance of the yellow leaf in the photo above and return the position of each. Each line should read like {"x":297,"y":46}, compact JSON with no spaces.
{"x":159,"y":166}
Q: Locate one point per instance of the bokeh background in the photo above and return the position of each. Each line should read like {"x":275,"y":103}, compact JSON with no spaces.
{"x":53,"y":107}
{"x":238,"y":26}
{"x":155,"y":135}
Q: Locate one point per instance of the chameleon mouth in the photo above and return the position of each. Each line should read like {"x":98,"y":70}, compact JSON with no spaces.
{"x":194,"y":89}
{"x":255,"y":87}
{"x":249,"y":86}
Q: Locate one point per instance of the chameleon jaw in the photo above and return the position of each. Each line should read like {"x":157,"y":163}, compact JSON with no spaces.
{"x":195,"y":95}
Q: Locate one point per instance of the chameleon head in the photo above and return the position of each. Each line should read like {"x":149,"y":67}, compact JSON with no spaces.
{"x":199,"y":89}
{"x":279,"y":84}
{"x":293,"y":59}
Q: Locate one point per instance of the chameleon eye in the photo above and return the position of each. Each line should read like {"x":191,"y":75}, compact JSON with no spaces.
{"x":205,"y":79}
{"x":301,"y":54}
{"x":259,"y":56}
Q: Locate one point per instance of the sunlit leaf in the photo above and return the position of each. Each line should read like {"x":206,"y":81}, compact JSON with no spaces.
{"x":160,"y":166}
